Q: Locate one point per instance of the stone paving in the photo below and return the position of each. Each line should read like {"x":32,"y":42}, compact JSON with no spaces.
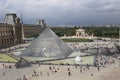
{"x":57,"y":72}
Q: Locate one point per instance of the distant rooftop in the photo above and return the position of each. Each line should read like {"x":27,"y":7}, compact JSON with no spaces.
{"x":10,"y":18}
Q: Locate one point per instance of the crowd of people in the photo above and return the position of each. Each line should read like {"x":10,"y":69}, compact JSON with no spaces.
{"x":52,"y":70}
{"x":42,"y":71}
{"x":94,"y":47}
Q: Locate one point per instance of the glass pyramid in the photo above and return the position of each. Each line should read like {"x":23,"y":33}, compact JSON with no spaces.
{"x":47,"y":44}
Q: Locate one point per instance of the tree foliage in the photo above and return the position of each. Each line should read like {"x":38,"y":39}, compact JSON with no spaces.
{"x":61,"y":31}
{"x":111,"y":32}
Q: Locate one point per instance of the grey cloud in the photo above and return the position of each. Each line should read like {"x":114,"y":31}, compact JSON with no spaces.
{"x":104,"y":5}
{"x":64,"y":11}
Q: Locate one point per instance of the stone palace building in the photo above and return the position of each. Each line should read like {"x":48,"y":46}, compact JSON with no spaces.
{"x":12,"y":31}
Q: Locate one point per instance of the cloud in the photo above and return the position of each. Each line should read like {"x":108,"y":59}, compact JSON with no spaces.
{"x":62,"y":11}
{"x":104,"y":5}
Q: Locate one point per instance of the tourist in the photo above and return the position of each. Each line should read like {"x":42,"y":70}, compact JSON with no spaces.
{"x":24,"y":78}
{"x":39,"y":64}
{"x":50,"y":68}
{"x":69,"y":73}
{"x":76,"y":66}
{"x":68,"y":69}
{"x":3,"y":73}
{"x":47,"y":73}
{"x":3,"y":65}
{"x":87,"y":66}
{"x":55,"y":71}
{"x":41,"y":73}
{"x":113,"y":61}
{"x":91,"y":74}
{"x":35,"y":72}
{"x":80,"y":69}
{"x":98,"y":68}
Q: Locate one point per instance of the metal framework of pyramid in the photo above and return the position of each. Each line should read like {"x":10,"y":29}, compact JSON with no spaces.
{"x":47,"y":44}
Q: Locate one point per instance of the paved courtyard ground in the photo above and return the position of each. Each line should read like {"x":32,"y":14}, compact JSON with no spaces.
{"x":57,"y":72}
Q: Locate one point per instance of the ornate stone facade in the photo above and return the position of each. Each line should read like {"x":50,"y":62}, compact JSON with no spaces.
{"x":80,"y":33}
{"x":10,"y":31}
{"x":30,"y":30}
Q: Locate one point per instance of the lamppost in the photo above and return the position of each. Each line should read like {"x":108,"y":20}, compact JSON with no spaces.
{"x":119,"y":61}
{"x":119,"y":35}
{"x":103,"y":36}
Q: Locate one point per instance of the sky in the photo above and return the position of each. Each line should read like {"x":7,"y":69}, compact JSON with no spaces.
{"x":64,"y":12}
